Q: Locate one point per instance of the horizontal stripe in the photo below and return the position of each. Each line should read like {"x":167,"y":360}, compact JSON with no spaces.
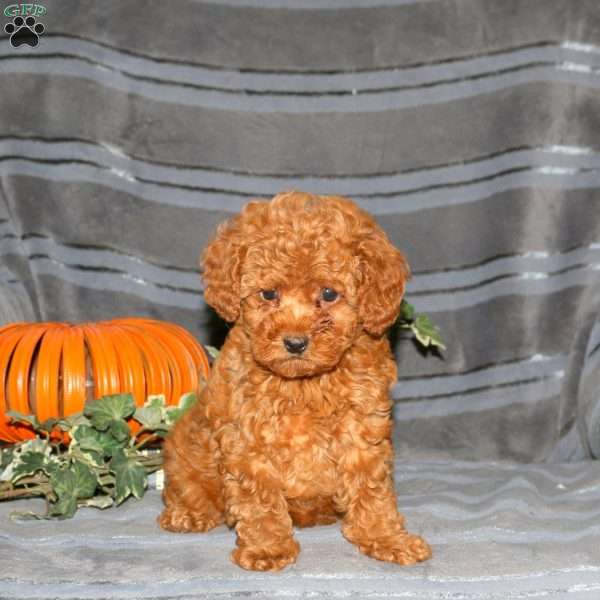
{"x":489,"y":398}
{"x":118,"y":282}
{"x":475,"y":369}
{"x":391,"y":78}
{"x":117,"y":180}
{"x":7,"y":278}
{"x":210,"y":199}
{"x":591,"y":371}
{"x":174,"y":286}
{"x":451,"y":475}
{"x":295,"y":5}
{"x":547,"y":178}
{"x":106,"y":270}
{"x":466,"y":267}
{"x":9,"y":244}
{"x":558,"y":470}
{"x":98,"y":255}
{"x":349,"y":101}
{"x":476,"y":390}
{"x":594,"y":340}
{"x":440,"y":506}
{"x":354,"y":587}
{"x":190,"y":71}
{"x":95,"y":256}
{"x":537,"y":366}
{"x":100,"y":152}
{"x":86,"y":46}
{"x":530,"y":265}
{"x":310,"y":82}
{"x":488,"y":495}
{"x":174,"y":135}
{"x":550,"y":159}
{"x":594,"y":350}
{"x":101,"y":261}
{"x":523,"y":284}
{"x":507,"y":535}
{"x":125,"y":272}
{"x":530,"y":254}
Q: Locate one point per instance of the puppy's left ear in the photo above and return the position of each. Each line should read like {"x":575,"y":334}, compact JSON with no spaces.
{"x":384,"y":273}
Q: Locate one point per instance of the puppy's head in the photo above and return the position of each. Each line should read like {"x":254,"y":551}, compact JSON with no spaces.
{"x":304,"y":275}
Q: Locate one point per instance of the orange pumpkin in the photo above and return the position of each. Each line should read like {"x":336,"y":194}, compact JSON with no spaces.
{"x":51,"y":369}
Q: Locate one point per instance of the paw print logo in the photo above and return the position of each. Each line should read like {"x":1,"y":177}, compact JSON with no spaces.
{"x":24,"y":31}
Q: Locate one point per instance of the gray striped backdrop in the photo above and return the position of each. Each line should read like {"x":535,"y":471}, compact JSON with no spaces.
{"x":470,"y":128}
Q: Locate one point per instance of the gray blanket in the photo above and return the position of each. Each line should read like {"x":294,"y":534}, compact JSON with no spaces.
{"x":469,"y":128}
{"x":498,"y":531}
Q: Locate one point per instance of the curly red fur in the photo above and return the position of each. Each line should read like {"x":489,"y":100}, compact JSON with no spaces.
{"x":279,"y":436}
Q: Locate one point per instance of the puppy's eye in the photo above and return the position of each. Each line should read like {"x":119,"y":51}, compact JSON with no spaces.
{"x":269,"y":295}
{"x":329,"y":294}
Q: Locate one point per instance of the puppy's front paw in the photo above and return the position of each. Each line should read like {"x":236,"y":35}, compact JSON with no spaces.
{"x":182,"y":520}
{"x":271,"y":557}
{"x":405,"y":550}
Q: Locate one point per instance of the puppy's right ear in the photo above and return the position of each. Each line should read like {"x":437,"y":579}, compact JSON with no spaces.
{"x":221,"y":264}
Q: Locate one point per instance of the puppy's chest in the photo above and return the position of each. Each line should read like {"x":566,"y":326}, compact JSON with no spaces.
{"x":303,"y":449}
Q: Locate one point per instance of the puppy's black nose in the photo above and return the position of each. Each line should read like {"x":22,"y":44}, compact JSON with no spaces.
{"x":295,"y":345}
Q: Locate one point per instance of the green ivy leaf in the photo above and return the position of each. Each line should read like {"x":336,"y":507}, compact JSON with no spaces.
{"x":28,"y":464}
{"x":6,"y":457}
{"x":212,"y":351}
{"x":105,"y":410}
{"x":158,"y":400}
{"x":174,"y":413}
{"x":70,"y":485}
{"x":26,"y":455}
{"x":150,"y":415}
{"x":130,"y":476}
{"x":48,"y":425}
{"x":427,"y":333}
{"x":99,"y":444}
{"x":73,"y":421}
{"x":64,"y":508}
{"x":98,"y":502}
{"x":120,"y":431}
{"x":85,"y":479}
{"x":187,"y":401}
{"x":407,"y":311}
{"x":21,"y":418}
{"x":25,"y":516}
{"x":36,"y":444}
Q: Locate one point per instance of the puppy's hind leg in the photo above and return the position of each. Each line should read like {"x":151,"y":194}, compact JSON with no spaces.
{"x":193,"y":493}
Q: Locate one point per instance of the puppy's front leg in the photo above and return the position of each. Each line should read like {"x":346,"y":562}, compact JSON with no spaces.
{"x":256,"y":506}
{"x":372,"y":520}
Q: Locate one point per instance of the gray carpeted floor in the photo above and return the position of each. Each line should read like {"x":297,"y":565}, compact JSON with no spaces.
{"x":498,"y":530}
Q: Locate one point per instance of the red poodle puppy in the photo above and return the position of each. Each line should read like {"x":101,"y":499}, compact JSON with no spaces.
{"x":294,"y":425}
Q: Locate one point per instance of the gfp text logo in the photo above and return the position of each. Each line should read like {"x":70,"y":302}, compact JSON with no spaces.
{"x":24,"y":10}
